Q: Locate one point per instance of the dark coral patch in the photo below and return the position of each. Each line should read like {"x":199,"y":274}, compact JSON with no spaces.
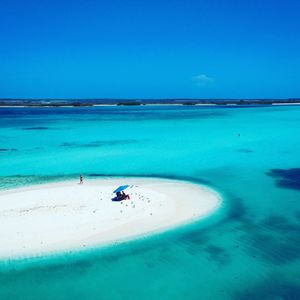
{"x":218,"y":255}
{"x":36,"y":128}
{"x":286,"y":178}
{"x":276,"y":250}
{"x":273,"y":288}
{"x":7,"y":149}
{"x":275,"y":240}
{"x":237,"y":210}
{"x":68,"y":144}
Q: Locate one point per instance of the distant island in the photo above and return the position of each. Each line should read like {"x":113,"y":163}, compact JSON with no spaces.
{"x":10,"y":102}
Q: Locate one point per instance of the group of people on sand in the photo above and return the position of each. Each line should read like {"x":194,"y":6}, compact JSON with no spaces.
{"x":120,"y":195}
{"x":123,"y":196}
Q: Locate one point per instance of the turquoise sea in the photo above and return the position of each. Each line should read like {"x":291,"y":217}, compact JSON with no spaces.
{"x":248,"y":249}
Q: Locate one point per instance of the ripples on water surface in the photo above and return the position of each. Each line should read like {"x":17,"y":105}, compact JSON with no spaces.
{"x":249,"y":249}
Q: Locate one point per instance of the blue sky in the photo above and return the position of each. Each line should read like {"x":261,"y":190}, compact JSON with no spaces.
{"x":150,"y":49}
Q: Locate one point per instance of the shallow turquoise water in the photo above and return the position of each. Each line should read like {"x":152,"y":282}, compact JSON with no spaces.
{"x":249,"y":249}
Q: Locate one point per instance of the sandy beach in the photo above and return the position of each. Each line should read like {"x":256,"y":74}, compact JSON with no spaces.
{"x":63,"y":216}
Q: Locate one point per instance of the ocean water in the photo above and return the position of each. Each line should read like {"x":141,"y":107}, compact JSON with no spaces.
{"x":248,"y":249}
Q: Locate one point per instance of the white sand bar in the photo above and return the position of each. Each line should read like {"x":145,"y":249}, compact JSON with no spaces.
{"x":62,"y":216}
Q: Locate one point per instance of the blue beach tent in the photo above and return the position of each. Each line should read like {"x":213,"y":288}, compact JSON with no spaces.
{"x":121,"y":188}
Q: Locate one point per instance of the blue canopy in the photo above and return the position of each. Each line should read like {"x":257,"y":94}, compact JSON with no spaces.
{"x":121,"y":188}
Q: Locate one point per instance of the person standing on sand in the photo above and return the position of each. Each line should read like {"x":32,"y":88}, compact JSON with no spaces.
{"x":81,"y":179}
